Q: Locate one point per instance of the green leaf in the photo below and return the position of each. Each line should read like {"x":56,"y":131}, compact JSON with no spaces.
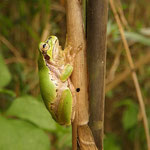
{"x":145,"y":31}
{"x":21,"y":135}
{"x":31,"y":109}
{"x":136,"y":37}
{"x":110,"y":94}
{"x":111,"y":143}
{"x":125,"y":102}
{"x":8,"y":92}
{"x":131,"y":36}
{"x":5,"y":75}
{"x":129,"y":118}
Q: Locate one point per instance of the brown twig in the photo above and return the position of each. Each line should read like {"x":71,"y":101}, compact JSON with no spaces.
{"x":12,"y":48}
{"x":57,"y":8}
{"x":123,"y":75}
{"x":132,"y":10}
{"x":134,"y":76}
{"x":46,"y":31}
{"x":121,"y":13}
{"x":12,"y":60}
{"x":115,"y":64}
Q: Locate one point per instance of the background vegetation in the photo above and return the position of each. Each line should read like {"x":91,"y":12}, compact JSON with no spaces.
{"x":24,"y":122}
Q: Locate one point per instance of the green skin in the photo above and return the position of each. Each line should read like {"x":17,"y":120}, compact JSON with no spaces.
{"x":54,"y":73}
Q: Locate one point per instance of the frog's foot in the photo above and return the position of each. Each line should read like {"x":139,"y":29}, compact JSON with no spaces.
{"x":71,"y":56}
{"x":67,"y":51}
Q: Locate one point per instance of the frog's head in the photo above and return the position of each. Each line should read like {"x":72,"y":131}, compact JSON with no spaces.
{"x":49,"y":48}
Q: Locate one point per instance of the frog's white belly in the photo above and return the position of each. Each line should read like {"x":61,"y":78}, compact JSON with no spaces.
{"x":54,"y":77}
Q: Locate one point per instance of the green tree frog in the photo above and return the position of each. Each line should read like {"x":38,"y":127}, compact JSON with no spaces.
{"x":55,"y":68}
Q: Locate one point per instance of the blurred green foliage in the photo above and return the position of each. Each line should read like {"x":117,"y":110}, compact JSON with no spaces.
{"x":24,"y":124}
{"x":24,"y":121}
{"x":4,"y":74}
{"x":111,"y":143}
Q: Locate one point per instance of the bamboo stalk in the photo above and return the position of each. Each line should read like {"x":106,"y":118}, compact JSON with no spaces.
{"x":96,"y":48}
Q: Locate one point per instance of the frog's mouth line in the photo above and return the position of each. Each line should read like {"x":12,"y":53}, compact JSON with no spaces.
{"x":46,"y":57}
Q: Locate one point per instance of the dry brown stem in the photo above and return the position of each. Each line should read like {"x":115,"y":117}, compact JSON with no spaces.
{"x":12,"y":49}
{"x":134,"y":76}
{"x":86,"y":138}
{"x":123,"y":75}
{"x":114,"y":67}
{"x":121,"y":13}
{"x":46,"y":31}
{"x":76,"y":38}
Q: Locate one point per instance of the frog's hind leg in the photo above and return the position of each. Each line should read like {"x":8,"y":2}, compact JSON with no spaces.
{"x":73,"y":91}
{"x":65,"y":107}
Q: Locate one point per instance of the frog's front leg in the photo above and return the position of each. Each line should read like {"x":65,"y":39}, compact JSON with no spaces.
{"x":66,"y":73}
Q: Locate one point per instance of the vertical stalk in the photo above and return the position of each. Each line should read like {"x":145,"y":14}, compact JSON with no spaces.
{"x":96,"y":50}
{"x":76,"y":39}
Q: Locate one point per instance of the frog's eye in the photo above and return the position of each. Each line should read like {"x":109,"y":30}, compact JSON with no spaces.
{"x":45,"y":47}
